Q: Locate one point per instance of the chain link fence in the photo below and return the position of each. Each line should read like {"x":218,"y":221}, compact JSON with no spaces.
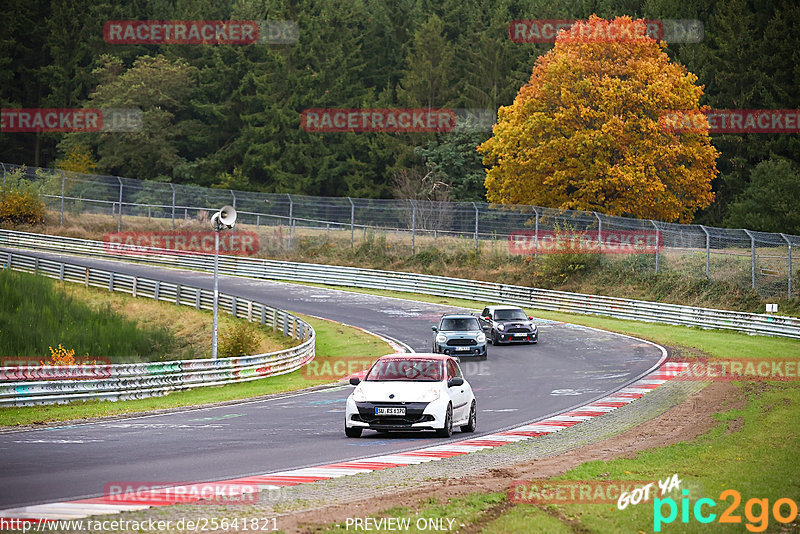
{"x":286,"y":222}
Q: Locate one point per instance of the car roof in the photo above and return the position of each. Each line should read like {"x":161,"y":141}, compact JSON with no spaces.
{"x":415,"y":356}
{"x":458,"y":316}
{"x":504,"y":307}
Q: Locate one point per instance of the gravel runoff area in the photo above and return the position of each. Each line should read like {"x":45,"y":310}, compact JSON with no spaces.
{"x":274,"y":508}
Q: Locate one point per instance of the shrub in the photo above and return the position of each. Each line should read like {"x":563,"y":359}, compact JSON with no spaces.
{"x":22,"y":207}
{"x":240,"y":340}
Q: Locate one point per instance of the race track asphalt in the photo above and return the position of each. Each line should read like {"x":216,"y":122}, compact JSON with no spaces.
{"x":570,"y":366}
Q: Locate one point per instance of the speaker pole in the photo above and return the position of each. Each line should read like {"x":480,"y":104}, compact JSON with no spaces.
{"x":216,"y":294}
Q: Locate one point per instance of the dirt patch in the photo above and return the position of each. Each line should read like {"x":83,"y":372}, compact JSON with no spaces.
{"x":684,"y":422}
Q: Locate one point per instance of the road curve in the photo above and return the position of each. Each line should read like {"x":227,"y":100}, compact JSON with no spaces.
{"x":570,"y":366}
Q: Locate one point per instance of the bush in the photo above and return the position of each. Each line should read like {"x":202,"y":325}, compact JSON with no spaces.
{"x":240,"y":340}
{"x":22,"y":207}
{"x":559,"y":268}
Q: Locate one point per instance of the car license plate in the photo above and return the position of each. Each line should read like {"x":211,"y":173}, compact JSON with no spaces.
{"x":522,"y":334}
{"x":383,"y":410}
{"x":462,"y":348}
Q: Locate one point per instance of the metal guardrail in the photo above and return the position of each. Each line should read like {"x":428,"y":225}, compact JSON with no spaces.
{"x":487,"y":292}
{"x":29,"y":385}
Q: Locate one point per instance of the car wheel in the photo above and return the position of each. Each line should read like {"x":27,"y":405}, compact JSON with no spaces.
{"x":447,"y":430}
{"x":353,"y":432}
{"x":473,"y":420}
{"x":495,"y":341}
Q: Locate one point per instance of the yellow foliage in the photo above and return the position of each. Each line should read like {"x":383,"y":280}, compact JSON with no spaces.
{"x":77,"y":159}
{"x":60,"y":356}
{"x":584,"y":132}
{"x":22,"y":207}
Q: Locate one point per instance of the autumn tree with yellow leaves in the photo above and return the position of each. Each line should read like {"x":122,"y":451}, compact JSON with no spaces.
{"x":584,"y":133}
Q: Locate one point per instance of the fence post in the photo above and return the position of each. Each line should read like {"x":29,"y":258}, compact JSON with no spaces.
{"x":789,"y":243}
{"x":352,"y":220}
{"x":63,"y":179}
{"x":173,"y":205}
{"x":291,"y":223}
{"x":658,"y":242}
{"x":752,"y":259}
{"x":234,"y":207}
{"x":413,"y":227}
{"x":708,"y":251}
{"x":536,"y":233}
{"x":599,"y":230}
{"x":119,"y":220}
{"x":476,"y":226}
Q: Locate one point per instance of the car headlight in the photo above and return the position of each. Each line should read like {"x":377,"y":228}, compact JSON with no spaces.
{"x":430,"y":395}
{"x":533,"y":327}
{"x":359,"y":395}
{"x":481,"y":338}
{"x":441,"y":338}
{"x":501,"y":327}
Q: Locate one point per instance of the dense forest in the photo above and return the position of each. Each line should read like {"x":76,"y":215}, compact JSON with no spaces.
{"x":229,"y":115}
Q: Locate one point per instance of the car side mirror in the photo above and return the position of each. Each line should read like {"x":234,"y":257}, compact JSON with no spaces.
{"x":487,"y":318}
{"x":434,"y":329}
{"x":485,"y":327}
{"x":354,"y":381}
{"x":529,"y":317}
{"x":453,"y":382}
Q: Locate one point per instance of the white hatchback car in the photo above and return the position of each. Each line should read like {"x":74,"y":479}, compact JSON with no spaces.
{"x":403,"y":392}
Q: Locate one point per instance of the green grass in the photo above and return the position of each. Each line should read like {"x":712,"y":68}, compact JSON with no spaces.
{"x":34,"y":316}
{"x":333,"y":341}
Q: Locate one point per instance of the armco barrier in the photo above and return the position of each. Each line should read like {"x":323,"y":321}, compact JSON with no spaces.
{"x":485,"y":292}
{"x":28,"y":385}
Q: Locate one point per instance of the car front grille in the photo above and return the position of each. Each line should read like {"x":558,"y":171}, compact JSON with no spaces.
{"x":461,"y":342}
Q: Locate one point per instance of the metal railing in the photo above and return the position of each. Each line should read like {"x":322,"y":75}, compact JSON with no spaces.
{"x":28,"y":385}
{"x":758,"y":260}
{"x":480,"y":291}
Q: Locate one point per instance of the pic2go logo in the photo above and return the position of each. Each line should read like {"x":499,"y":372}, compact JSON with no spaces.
{"x":757,"y":521}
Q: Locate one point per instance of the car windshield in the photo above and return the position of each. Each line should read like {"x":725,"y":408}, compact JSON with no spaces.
{"x":406,"y":369}
{"x":460,"y":324}
{"x":509,"y":315}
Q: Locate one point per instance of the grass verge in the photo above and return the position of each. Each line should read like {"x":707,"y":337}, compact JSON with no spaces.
{"x":333,"y":341}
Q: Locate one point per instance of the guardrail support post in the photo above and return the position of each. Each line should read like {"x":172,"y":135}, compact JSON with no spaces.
{"x":275,"y":319}
{"x":135,"y":285}
{"x":8,"y":262}
{"x":658,"y":242}
{"x":291,"y":221}
{"x":234,"y":307}
{"x":752,"y":259}
{"x":250,"y":311}
{"x":111,"y":282}
{"x":157,"y":290}
{"x":63,"y":180}
{"x":708,"y":252}
{"x":476,"y":226}
{"x":61,"y":272}
{"x":86,"y":278}
{"x":198,"y":295}
{"x":263,"y":314}
{"x":173,"y":205}
{"x":789,"y":243}
{"x":352,"y":220}
{"x":178,"y":294}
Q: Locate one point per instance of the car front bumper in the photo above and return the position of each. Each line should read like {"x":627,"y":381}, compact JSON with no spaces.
{"x":529,"y":337}
{"x":472,"y":350}
{"x":419,"y":415}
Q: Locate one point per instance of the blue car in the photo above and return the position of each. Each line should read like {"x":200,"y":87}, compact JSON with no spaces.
{"x":459,"y":335}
